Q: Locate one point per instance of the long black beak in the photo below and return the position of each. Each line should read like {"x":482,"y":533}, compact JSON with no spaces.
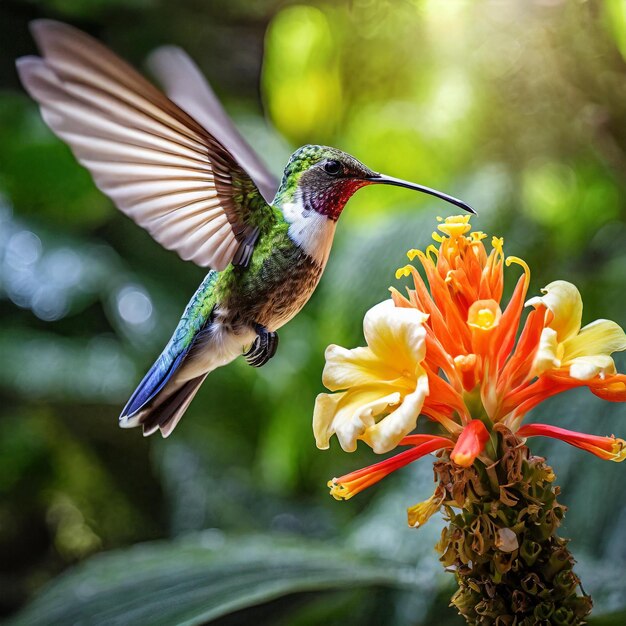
{"x":389,"y":180}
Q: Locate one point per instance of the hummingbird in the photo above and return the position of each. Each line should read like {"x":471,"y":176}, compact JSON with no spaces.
{"x":178,"y":167}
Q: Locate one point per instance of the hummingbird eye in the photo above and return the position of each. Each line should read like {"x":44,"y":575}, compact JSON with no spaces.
{"x":332,"y":167}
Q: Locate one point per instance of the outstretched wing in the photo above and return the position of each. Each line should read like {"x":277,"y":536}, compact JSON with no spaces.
{"x":157,"y":164}
{"x":186,"y":86}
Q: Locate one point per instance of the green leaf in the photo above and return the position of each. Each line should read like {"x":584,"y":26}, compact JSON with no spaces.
{"x":201,"y":578}
{"x":611,"y":619}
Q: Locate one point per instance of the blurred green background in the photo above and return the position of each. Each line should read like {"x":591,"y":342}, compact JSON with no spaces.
{"x":517,"y":107}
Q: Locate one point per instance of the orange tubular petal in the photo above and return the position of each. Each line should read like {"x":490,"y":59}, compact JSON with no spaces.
{"x":437,"y":358}
{"x":455,"y":323}
{"x":344,"y":487}
{"x":399,"y":300}
{"x":483,"y":319}
{"x":612,"y":388}
{"x":473,"y":259}
{"x":442,"y":393}
{"x":510,"y":320}
{"x":470,"y":443}
{"x":518,"y":367}
{"x":444,"y":415}
{"x":492,"y":279}
{"x":421,"y":299}
{"x":468,"y":370}
{"x":418,"y":440}
{"x":527,"y":397}
{"x":607,"y":448}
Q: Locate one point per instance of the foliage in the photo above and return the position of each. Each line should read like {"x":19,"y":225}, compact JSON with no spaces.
{"x":214,"y":576}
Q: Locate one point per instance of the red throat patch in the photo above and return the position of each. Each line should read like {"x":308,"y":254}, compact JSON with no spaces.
{"x":332,"y":200}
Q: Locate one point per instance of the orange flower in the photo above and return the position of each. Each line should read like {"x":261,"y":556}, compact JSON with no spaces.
{"x":607,"y":448}
{"x":344,"y":487}
{"x":465,"y":360}
{"x":470,"y":443}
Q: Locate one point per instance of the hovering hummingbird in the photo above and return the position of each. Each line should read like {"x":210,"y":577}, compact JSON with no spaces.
{"x":177,"y":166}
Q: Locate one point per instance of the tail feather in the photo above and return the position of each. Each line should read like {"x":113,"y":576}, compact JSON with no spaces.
{"x":191,"y":353}
{"x":152,"y":384}
{"x":165,"y":413}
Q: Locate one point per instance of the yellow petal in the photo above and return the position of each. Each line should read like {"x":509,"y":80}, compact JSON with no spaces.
{"x":347,"y":368}
{"x":420,"y":513}
{"x":546,"y":357}
{"x":396,"y":335}
{"x":563,"y":299}
{"x":588,"y":367}
{"x":360,"y":418}
{"x":325,"y":408}
{"x":350,"y":413}
{"x":386,"y":434}
{"x":599,"y":337}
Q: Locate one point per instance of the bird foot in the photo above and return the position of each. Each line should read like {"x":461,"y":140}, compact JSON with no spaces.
{"x":263,"y":348}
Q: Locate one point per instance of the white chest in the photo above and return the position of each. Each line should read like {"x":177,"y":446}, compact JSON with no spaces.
{"x":310,"y":230}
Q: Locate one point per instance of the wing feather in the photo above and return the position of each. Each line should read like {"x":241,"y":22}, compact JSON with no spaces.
{"x":187,"y":87}
{"x":156,"y":162}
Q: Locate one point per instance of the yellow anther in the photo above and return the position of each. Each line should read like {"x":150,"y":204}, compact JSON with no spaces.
{"x":477,"y":236}
{"x":485,"y":318}
{"x":518,"y":261}
{"x":455,"y":225}
{"x":432,"y":250}
{"x":484,"y":314}
{"x":498,"y":244}
{"x":619,"y":451}
{"x":412,"y":253}
{"x":337,"y":491}
{"x":403,"y":272}
{"x":437,"y":237}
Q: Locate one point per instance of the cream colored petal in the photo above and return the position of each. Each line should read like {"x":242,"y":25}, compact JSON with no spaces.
{"x":547,"y":353}
{"x":350,"y":413}
{"x":347,"y":368}
{"x":362,"y":418}
{"x":563,"y":299}
{"x":396,"y":335}
{"x":326,"y":405}
{"x":599,"y":337}
{"x":588,"y":367}
{"x":386,"y":434}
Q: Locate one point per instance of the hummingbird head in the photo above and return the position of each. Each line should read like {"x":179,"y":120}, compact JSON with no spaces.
{"x":323,"y":179}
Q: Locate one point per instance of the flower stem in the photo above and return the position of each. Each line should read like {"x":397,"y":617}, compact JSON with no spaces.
{"x":502,"y":544}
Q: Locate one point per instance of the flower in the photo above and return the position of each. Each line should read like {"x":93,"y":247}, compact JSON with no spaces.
{"x":584,"y":353}
{"x":344,"y":487}
{"x":420,"y":513}
{"x":386,"y":378}
{"x":607,"y":448}
{"x":451,"y":351}
{"x":470,"y":443}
